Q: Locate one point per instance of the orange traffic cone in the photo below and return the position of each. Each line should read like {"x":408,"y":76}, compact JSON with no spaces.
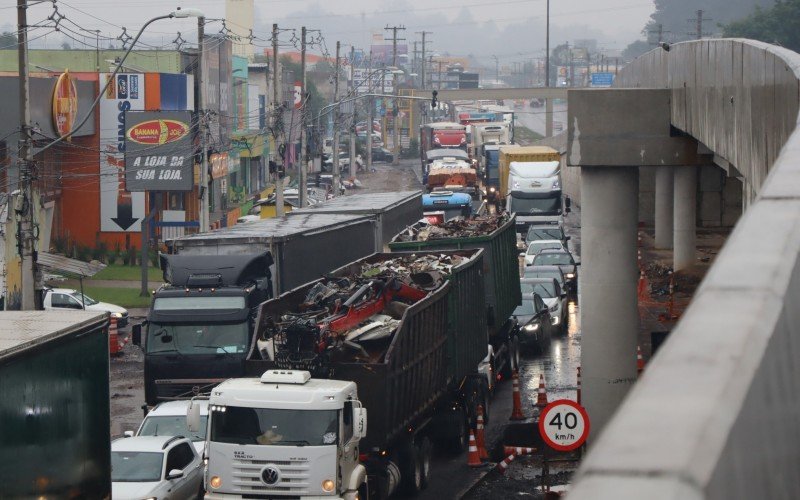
{"x":541,"y":396}
{"x":642,"y":291}
{"x":113,"y":338}
{"x":516,"y":413}
{"x":518,"y":450}
{"x":503,"y":465}
{"x":480,"y":437}
{"x":639,"y":361}
{"x":579,"y":386}
{"x":473,"y":457}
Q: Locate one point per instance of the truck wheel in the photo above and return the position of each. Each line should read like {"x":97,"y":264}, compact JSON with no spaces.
{"x":425,"y":452}
{"x":458,"y":443}
{"x":410,"y":470}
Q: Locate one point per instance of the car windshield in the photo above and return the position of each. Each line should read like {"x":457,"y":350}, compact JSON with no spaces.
{"x":536,"y":247}
{"x":535,"y":205}
{"x":524,"y":309}
{"x":172,"y":425}
{"x":545,"y":233}
{"x":214,"y":338}
{"x":553,"y":259}
{"x":136,"y":466}
{"x":86,"y":299}
{"x":267,"y":426}
{"x":545,"y":290}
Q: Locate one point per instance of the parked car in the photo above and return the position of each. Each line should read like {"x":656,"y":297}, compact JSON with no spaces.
{"x":562,"y":259}
{"x":169,"y":419}
{"x":67,"y":298}
{"x":534,"y":323}
{"x":547,"y":232}
{"x":546,"y":272}
{"x":155,"y":467}
{"x":382,"y":154}
{"x":344,"y":163}
{"x":553,"y":295}
{"x":537,"y":246}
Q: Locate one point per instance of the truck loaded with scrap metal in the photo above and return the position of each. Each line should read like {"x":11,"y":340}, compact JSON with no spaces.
{"x":496,"y":236}
{"x":393,"y":337}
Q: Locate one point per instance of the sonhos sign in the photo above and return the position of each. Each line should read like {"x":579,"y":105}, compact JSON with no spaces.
{"x":158,"y":151}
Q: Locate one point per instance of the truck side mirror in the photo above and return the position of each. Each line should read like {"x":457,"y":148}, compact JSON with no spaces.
{"x":193,"y":417}
{"x":359,"y":422}
{"x":136,"y":335}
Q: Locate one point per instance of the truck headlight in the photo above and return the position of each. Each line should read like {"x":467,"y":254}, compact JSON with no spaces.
{"x":531,"y":327}
{"x":555,"y":320}
{"x":569,"y":276}
{"x":328,"y":485}
{"x":215,"y":482}
{"x":492,"y":189}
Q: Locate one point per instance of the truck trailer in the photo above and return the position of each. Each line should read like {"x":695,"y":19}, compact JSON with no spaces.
{"x":496,"y":236}
{"x":401,"y":331}
{"x":54,"y":413}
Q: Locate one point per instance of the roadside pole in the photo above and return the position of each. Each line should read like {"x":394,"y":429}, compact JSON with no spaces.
{"x":337,"y":175}
{"x":302,"y":188}
{"x":275,"y":117}
{"x":25,"y":161}
{"x":370,"y":115}
{"x":201,"y":127}
{"x":353,"y":166}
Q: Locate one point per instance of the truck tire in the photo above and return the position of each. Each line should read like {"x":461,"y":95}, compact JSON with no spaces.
{"x":460,"y":440}
{"x":410,"y":470}
{"x":425,"y":452}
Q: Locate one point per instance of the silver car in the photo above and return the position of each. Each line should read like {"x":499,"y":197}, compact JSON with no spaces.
{"x":162,"y":467}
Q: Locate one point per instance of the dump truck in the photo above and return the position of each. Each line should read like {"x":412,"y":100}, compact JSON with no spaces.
{"x":451,"y":174}
{"x":496,"y":236}
{"x":54,"y":413}
{"x":395,"y":334}
{"x":441,"y":135}
{"x":200,"y":325}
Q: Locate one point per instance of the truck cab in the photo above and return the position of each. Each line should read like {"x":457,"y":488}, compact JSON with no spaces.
{"x":284,"y":434}
{"x":535,"y":194}
{"x":200,"y":325}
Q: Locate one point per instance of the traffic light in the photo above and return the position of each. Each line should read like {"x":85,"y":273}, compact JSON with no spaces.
{"x":434,"y":102}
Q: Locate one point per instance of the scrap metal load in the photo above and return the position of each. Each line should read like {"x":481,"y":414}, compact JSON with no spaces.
{"x":353,"y":316}
{"x":453,"y":174}
{"x":454,"y":228}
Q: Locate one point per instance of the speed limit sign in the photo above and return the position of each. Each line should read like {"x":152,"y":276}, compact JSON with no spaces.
{"x":564,"y":425}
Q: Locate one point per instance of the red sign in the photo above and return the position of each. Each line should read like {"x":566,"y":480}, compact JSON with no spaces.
{"x":298,"y":97}
{"x":65,"y":104}
{"x":564,"y":425}
{"x":158,"y":132}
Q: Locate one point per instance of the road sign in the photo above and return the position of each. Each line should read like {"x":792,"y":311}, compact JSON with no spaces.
{"x":564,"y":425}
{"x":602,"y":79}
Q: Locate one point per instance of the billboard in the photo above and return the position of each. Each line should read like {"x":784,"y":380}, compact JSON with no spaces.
{"x":158,"y":151}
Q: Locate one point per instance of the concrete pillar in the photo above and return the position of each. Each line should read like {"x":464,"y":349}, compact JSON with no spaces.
{"x":685,"y":217}
{"x":608,"y":279}
{"x":664,"y":207}
{"x":548,"y":117}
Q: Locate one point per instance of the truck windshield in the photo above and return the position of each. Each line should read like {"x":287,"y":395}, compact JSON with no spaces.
{"x":209,"y":338}
{"x":536,"y":205}
{"x":267,"y":426}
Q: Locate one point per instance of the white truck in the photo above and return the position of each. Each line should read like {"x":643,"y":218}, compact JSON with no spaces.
{"x":283,"y":435}
{"x":534,"y":193}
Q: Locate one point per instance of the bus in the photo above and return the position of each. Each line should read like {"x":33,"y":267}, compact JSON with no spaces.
{"x":441,"y":206}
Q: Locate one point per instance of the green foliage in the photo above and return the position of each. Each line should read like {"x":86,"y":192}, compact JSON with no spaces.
{"x":315,"y":102}
{"x":636,"y":49}
{"x":779,"y":25}
{"x":124,"y":297}
{"x":674,"y":16}
{"x":121,"y":272}
{"x":8,"y":40}
{"x":100,"y":251}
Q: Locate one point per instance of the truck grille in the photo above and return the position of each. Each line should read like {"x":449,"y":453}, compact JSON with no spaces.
{"x":294,"y":477}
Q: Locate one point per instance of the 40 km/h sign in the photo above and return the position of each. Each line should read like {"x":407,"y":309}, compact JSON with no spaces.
{"x":564,"y":425}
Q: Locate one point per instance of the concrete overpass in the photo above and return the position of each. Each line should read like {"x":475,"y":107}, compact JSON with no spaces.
{"x":717,"y":412}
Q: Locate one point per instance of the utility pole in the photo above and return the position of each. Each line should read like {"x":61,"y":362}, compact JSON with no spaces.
{"x":396,"y":119}
{"x":698,"y":24}
{"x":336,"y":172}
{"x":547,"y":49}
{"x":659,"y":32}
{"x":370,"y":113}
{"x":353,"y":167}
{"x":25,"y":161}
{"x":204,"y":215}
{"x":496,"y":69}
{"x":424,"y":61}
{"x":276,"y":107}
{"x":302,"y":188}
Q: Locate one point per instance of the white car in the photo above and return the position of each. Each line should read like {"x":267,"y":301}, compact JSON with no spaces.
{"x":553,"y":296}
{"x":538,"y":245}
{"x":67,"y":298}
{"x":169,"y":419}
{"x":157,"y":467}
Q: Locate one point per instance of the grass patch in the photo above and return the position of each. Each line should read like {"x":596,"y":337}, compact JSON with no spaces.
{"x":125,"y":297}
{"x":128,"y":273}
{"x":525,"y":136}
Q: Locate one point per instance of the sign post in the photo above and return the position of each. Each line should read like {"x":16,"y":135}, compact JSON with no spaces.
{"x":564,"y":425}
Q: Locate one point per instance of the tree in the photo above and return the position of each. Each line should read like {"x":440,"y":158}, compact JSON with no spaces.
{"x":8,"y":40}
{"x":779,"y":25}
{"x":636,"y":49}
{"x":675,"y":16}
{"x":66,"y":46}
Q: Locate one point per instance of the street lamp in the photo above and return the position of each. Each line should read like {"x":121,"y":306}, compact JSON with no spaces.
{"x":178,"y":14}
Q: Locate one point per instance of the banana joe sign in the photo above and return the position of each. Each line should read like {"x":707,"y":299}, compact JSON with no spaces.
{"x":158,"y":151}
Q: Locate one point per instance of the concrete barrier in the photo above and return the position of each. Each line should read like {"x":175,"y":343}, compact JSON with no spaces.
{"x":717,"y":413}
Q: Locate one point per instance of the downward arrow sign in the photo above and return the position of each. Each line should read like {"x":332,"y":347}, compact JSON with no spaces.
{"x":124,"y":218}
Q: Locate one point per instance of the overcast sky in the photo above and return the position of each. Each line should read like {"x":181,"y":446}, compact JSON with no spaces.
{"x":511,"y":29}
